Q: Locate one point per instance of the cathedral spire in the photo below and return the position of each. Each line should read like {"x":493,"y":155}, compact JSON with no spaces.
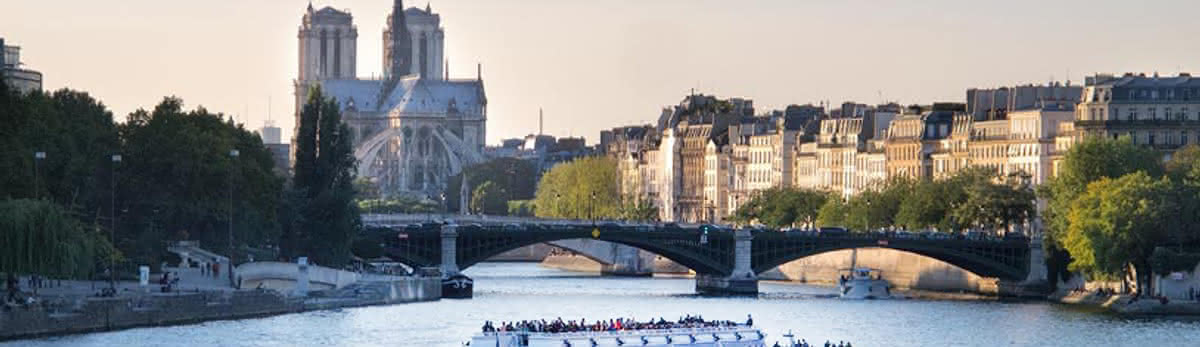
{"x":398,"y":41}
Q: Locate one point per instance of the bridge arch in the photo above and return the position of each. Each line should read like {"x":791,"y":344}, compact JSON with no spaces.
{"x":713,"y":256}
{"x":692,"y":258}
{"x":997,"y":259}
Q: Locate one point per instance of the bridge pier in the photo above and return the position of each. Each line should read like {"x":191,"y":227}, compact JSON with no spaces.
{"x":741,"y":281}
{"x":627,"y":261}
{"x":1036,"y":283}
{"x":455,"y":285}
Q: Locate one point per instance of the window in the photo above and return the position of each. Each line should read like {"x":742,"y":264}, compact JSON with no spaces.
{"x":1183,"y":138}
{"x":1133,"y":113}
{"x":1168,"y":114}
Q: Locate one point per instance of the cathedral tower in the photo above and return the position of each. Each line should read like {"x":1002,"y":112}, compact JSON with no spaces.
{"x":328,"y":45}
{"x":397,"y":44}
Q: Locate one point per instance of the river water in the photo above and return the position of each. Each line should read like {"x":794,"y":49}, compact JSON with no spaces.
{"x":514,"y":291}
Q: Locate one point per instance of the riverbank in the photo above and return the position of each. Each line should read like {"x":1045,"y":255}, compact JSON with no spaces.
{"x":81,"y":314}
{"x":1125,"y":305}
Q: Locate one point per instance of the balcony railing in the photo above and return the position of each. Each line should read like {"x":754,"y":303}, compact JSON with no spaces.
{"x":1140,"y":122}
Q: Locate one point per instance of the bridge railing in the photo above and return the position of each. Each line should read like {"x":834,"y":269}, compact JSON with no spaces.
{"x":511,"y":223}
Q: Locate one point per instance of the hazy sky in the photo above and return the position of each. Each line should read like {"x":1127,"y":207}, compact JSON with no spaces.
{"x":594,"y":65}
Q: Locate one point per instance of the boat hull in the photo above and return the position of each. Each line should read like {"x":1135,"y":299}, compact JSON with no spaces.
{"x":865,"y":289}
{"x":458,"y":287}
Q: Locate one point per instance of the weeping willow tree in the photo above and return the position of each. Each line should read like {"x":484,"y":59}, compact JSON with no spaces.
{"x":40,"y":237}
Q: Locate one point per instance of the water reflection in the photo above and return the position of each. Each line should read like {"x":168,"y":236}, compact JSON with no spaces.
{"x":514,"y":291}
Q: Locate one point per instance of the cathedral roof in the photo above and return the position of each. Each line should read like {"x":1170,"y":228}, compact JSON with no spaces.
{"x":414,"y":95}
{"x":361,"y":95}
{"x":411,"y":96}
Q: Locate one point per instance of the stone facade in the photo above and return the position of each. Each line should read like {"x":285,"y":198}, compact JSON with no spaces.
{"x":1161,"y":112}
{"x":700,"y":167}
{"x":413,"y":127}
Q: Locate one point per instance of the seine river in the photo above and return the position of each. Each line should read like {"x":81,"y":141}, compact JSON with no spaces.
{"x":513,"y":291}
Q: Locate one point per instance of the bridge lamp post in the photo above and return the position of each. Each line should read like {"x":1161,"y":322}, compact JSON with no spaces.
{"x":112,"y":230}
{"x":592,"y":208}
{"x":37,"y":159}
{"x":233,"y":155}
{"x":558,"y":203}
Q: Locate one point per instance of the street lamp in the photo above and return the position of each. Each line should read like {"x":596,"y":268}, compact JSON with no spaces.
{"x":592,"y":208}
{"x":37,"y":159}
{"x":558,"y":204}
{"x":233,"y":154}
{"x":112,"y":230}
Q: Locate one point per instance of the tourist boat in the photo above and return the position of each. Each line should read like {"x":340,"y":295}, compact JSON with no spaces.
{"x":740,"y":336}
{"x":457,"y":286}
{"x":863,"y":283}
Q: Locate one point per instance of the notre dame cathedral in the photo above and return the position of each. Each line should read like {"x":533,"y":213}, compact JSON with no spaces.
{"x":414,"y":127}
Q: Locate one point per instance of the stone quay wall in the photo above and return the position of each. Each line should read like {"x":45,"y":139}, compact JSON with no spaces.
{"x":83,"y":315}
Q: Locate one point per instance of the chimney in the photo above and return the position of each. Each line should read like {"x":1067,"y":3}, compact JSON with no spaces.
{"x":479,"y":71}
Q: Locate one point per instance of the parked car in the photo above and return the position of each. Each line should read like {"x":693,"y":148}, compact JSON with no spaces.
{"x":609,"y":226}
{"x":832,"y":232}
{"x":671,"y":226}
{"x":513,"y":227}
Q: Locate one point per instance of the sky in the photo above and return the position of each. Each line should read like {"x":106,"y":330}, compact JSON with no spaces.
{"x":594,"y":65}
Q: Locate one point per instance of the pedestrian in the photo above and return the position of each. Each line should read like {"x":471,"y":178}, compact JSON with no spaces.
{"x":216,"y":270}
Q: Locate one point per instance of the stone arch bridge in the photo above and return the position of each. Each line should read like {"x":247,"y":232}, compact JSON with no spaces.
{"x":725,"y":261}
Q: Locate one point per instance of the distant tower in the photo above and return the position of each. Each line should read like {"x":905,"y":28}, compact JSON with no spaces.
{"x":397,"y":44}
{"x":270,"y":133}
{"x":423,"y":53}
{"x":328,"y":50}
{"x":540,"y":120}
{"x":328,"y":45}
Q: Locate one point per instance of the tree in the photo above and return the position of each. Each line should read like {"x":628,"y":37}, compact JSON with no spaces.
{"x":489,"y":199}
{"x":779,"y":207}
{"x":1090,"y":160}
{"x":521,"y":208}
{"x":832,"y":213}
{"x":175,"y":177}
{"x":1115,"y":224}
{"x":322,"y":215}
{"x":77,"y":134}
{"x":932,"y":202}
{"x":992,"y":204}
{"x":581,"y":189}
{"x":518,"y":178}
{"x":877,"y":207}
{"x":41,"y":237}
{"x":640,"y":210}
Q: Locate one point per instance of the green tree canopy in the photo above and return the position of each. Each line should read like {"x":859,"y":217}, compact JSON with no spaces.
{"x":1090,"y":160}
{"x":77,"y":134}
{"x":1117,"y":222}
{"x":779,"y":207}
{"x":489,"y":199}
{"x":321,"y":217}
{"x":39,"y":236}
{"x":175,"y":179}
{"x":518,"y":179}
{"x":581,"y":189}
{"x":832,"y":213}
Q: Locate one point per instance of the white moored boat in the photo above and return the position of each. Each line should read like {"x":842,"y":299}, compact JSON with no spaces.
{"x":860,"y":283}
{"x":863,"y":283}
